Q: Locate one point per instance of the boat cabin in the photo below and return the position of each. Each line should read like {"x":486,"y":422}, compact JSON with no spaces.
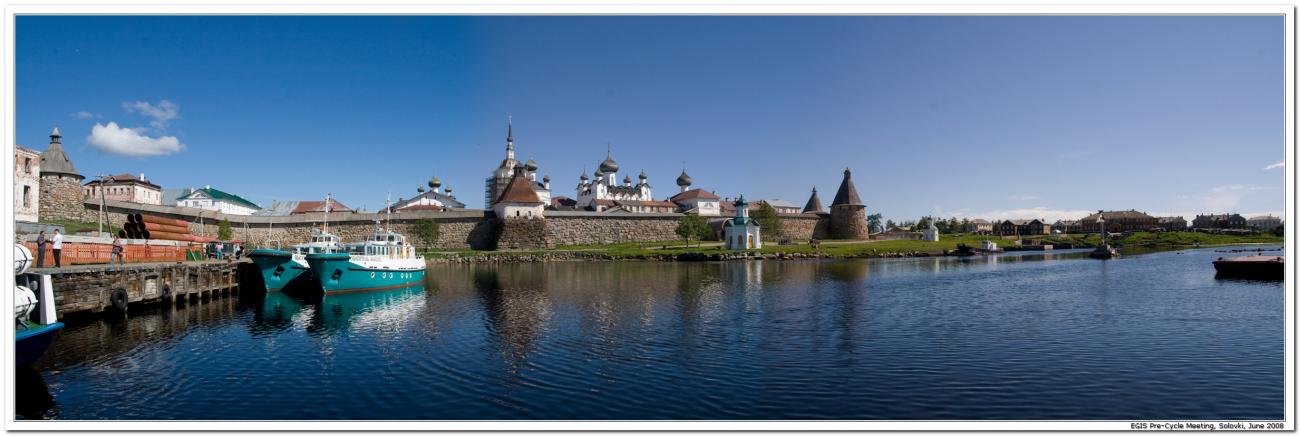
{"x":383,"y":243}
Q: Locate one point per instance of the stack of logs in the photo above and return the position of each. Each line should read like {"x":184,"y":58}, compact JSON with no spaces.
{"x":152,"y":227}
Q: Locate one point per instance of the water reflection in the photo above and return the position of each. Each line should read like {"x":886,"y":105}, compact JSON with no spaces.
{"x":33,"y":396}
{"x":515,"y":307}
{"x":1042,"y":335}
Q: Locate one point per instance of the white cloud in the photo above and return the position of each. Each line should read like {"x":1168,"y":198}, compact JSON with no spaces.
{"x":1226,"y":198}
{"x":1043,"y":213}
{"x":162,"y":113}
{"x":1276,"y":165}
{"x":83,"y":115}
{"x":131,"y":142}
{"x":1022,"y":197}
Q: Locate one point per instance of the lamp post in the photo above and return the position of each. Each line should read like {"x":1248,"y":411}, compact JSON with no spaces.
{"x":103,"y":179}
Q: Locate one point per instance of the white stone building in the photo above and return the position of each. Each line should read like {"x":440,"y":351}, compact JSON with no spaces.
{"x":695,"y":201}
{"x":741,"y":232}
{"x":518,"y":199}
{"x":930,"y":234}
{"x":124,"y":187}
{"x":212,"y":199}
{"x":600,"y":193}
{"x":27,"y":184}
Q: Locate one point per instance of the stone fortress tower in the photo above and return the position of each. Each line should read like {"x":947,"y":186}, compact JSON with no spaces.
{"x":848,"y":214}
{"x":61,"y":194}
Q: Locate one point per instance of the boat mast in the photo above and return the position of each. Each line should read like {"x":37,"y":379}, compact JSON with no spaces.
{"x":388,"y":205}
{"x":326,"y":225}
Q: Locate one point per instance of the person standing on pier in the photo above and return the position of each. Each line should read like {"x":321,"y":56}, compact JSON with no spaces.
{"x":58,"y":248}
{"x":117,"y":255}
{"x":40,"y":249}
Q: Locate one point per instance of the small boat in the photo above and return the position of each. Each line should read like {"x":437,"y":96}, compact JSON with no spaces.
{"x":280,"y":268}
{"x":1103,"y":251}
{"x":989,"y":247}
{"x":384,"y":261}
{"x":34,"y":313}
{"x":1251,"y":267}
{"x":962,"y":250}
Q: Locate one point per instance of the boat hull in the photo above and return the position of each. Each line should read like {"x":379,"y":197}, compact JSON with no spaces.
{"x":1251,"y":267}
{"x":277,"y":267}
{"x":337,"y":273}
{"x":30,"y":344}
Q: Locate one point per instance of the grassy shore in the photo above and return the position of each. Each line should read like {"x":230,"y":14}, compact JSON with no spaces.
{"x":847,"y":248}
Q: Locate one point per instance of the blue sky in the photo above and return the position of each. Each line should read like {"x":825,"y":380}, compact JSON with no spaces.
{"x":994,"y":117}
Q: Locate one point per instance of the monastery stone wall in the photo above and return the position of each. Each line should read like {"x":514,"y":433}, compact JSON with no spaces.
{"x":522,"y":234}
{"x":585,"y":228}
{"x":804,"y":226}
{"x":476,"y":229}
{"x":60,"y":198}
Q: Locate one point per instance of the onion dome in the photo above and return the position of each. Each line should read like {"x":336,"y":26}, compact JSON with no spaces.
{"x":683,"y":180}
{"x":609,"y":166}
{"x":531,"y":165}
{"x":419,"y":189}
{"x":583,"y":176}
{"x":447,"y":191}
{"x":627,"y":180}
{"x":434,"y":183}
{"x":642,"y":176}
{"x":599,"y":174}
{"x":546,"y":178}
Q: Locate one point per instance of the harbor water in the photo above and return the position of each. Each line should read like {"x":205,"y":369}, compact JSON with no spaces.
{"x":1050,"y":335}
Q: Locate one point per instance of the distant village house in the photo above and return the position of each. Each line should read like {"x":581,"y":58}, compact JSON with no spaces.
{"x":124,"y":187}
{"x":1219,"y":221}
{"x":1119,"y":221}
{"x":216,"y":200}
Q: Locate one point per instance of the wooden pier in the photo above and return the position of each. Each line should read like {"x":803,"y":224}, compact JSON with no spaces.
{"x":91,"y":289}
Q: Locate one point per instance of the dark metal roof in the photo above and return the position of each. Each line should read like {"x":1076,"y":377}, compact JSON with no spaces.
{"x":814,"y":203}
{"x":54,"y":160}
{"x":847,"y":195}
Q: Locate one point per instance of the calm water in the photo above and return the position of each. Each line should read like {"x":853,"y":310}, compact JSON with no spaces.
{"x":1055,"y":336}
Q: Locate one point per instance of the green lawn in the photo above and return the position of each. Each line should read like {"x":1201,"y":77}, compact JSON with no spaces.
{"x":72,"y":227}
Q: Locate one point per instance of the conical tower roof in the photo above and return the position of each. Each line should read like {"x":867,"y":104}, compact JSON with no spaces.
{"x":54,"y":160}
{"x":814,"y":203}
{"x":519,"y":190}
{"x":847,"y":195}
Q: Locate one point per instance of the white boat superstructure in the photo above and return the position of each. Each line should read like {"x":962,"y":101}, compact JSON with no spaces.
{"x":321,"y":240}
{"x":385,"y":250}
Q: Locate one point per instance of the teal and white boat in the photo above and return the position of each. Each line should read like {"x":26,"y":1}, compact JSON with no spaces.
{"x":280,"y":268}
{"x":35,"y":320}
{"x":383,"y":261}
